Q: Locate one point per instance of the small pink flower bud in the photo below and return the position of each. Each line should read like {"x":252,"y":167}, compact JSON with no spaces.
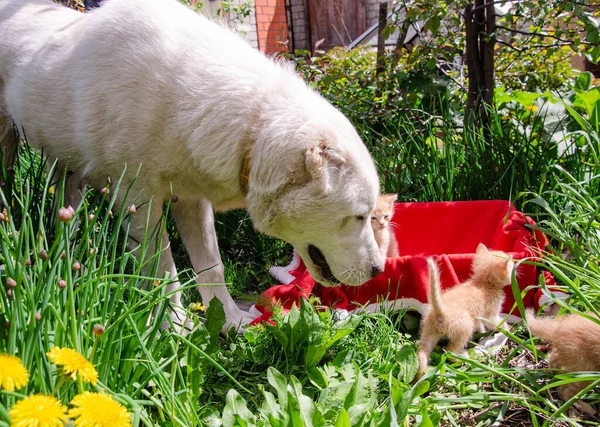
{"x":132,"y":209}
{"x":104,"y":191}
{"x":90,"y":217}
{"x":76,"y":266}
{"x":66,"y":214}
{"x":9,"y":293}
{"x":43,"y":254}
{"x":38,"y":316}
{"x":98,"y":330}
{"x":62,"y":284}
{"x":174,"y":198}
{"x":27,"y":262}
{"x":10,"y":283}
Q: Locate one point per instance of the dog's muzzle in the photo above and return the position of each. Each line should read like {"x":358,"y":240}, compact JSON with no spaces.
{"x":318,"y":258}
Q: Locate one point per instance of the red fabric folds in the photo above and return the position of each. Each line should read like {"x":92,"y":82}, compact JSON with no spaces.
{"x":450,"y":231}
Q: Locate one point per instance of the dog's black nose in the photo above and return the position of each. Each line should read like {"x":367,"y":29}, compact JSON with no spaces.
{"x":376,"y":271}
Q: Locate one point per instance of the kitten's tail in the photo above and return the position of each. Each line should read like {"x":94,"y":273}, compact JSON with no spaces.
{"x":435,"y":289}
{"x":542,"y":328}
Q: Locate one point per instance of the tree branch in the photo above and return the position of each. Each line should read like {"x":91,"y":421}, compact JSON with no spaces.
{"x":533,"y":34}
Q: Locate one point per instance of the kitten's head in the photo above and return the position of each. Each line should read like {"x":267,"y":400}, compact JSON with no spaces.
{"x":383,"y":212}
{"x":494,"y":265}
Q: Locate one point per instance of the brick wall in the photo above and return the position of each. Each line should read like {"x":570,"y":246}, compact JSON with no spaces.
{"x":247,"y":25}
{"x":300,"y":27}
{"x":271,"y":24}
{"x":372,"y":11}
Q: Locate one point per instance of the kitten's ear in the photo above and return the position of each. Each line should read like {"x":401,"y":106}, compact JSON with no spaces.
{"x":481,"y":249}
{"x":389,"y":198}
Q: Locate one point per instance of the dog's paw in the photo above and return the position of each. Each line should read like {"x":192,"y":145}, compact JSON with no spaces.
{"x":236,"y":319}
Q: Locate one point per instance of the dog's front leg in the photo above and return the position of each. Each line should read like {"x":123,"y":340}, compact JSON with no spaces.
{"x":144,"y":226}
{"x":195,"y":223}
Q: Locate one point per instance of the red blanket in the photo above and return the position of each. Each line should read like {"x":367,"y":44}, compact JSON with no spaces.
{"x":450,"y":231}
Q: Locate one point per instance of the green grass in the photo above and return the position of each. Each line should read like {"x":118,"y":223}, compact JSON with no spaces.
{"x":312,"y":368}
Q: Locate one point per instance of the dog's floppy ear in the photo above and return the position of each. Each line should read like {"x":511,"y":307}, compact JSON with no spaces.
{"x":323,"y":162}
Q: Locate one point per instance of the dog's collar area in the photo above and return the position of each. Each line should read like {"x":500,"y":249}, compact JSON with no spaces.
{"x":245,"y":172}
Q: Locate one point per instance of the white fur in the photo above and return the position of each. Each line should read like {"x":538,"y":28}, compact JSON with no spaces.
{"x":153,"y":83}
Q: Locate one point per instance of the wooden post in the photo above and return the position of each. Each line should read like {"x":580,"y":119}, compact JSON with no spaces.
{"x":383,"y":13}
{"x":480,"y":23}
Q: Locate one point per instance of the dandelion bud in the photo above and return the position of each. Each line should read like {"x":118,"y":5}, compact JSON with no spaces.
{"x":43,"y":254}
{"x":174,"y":198}
{"x":98,"y":330}
{"x":76,"y":266}
{"x":66,"y":214}
{"x":10,"y":283}
{"x":27,"y":262}
{"x":132,"y":209}
{"x":38,"y":316}
{"x":62,"y":284}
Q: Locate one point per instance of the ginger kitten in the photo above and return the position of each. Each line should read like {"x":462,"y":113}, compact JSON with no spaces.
{"x":454,"y":313}
{"x":380,"y":222}
{"x":575,"y":347}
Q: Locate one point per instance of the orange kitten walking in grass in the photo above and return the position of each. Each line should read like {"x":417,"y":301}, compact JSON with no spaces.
{"x":575,"y":347}
{"x":454,"y":314}
{"x":380,"y":221}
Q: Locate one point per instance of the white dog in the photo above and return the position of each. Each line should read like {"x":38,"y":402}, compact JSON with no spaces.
{"x":153,"y":83}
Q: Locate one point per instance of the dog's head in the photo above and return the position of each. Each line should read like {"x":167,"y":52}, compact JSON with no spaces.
{"x":315,"y":188}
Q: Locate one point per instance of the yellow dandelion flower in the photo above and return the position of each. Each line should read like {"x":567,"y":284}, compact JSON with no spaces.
{"x":74,"y":363}
{"x":98,"y":410}
{"x":51,"y":189}
{"x":197,"y":306}
{"x":13,"y":374}
{"x":39,"y":411}
{"x":531,"y":108}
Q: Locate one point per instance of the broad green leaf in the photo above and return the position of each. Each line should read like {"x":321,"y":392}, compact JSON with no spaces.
{"x":343,"y":420}
{"x":215,"y":320}
{"x":310,"y":414}
{"x":409,"y":363}
{"x":583,"y":81}
{"x":279,"y":383}
{"x":236,"y":413}
{"x":360,"y":392}
{"x":587,"y":99}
